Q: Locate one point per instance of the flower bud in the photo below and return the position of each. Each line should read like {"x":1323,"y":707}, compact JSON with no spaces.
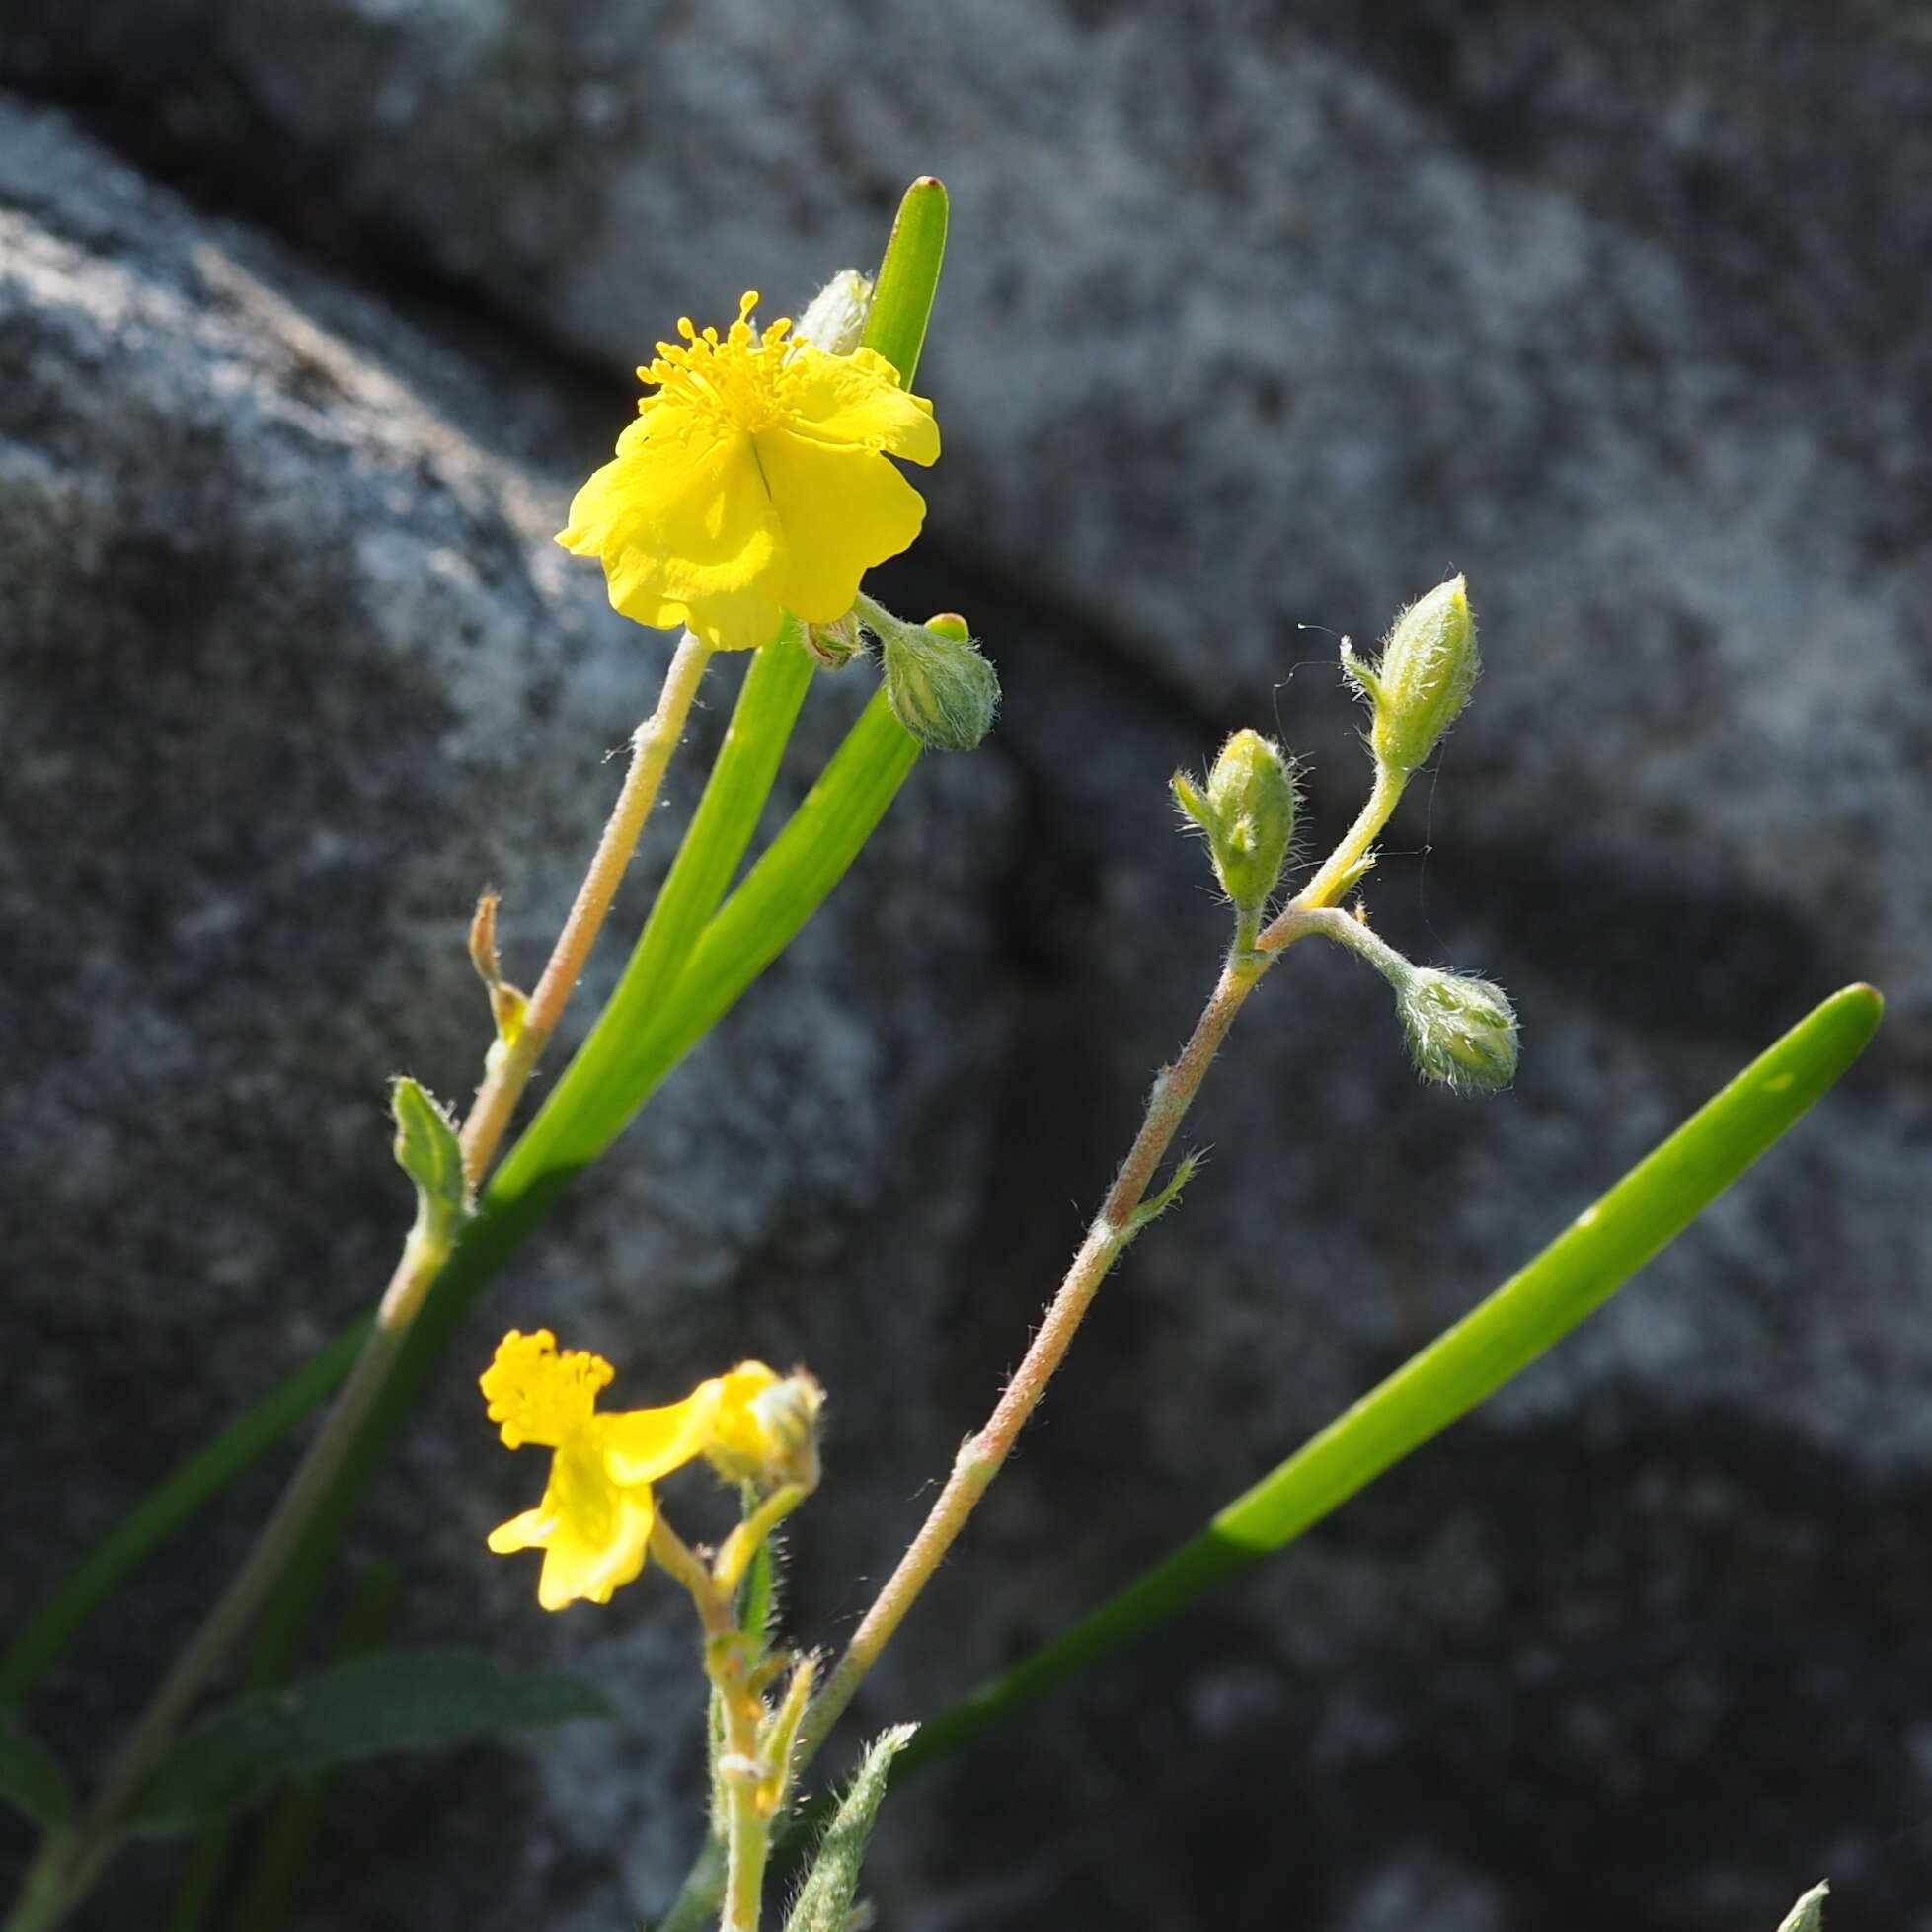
{"x":940,"y":688}
{"x":834,"y":645}
{"x":1427,"y":669}
{"x":834,"y":319}
{"x":1461,"y":1031}
{"x":1248,"y":811}
{"x":773,"y":1439}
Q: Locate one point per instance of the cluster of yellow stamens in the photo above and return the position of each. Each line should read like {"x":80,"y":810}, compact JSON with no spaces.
{"x":756,"y":481}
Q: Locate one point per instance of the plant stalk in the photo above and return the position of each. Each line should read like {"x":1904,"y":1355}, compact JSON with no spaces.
{"x":982,"y":1456}
{"x":651,"y":745}
{"x":72,"y":1866}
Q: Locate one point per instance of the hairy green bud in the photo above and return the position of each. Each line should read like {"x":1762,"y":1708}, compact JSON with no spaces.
{"x":1427,"y":671}
{"x":1248,"y":811}
{"x":1461,"y":1031}
{"x":940,"y":688}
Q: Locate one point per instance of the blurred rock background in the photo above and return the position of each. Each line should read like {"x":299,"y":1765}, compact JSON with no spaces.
{"x":311,"y":314}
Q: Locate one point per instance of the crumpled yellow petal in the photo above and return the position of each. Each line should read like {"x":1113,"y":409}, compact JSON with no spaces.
{"x":592,"y":1532}
{"x":539,"y":1395}
{"x":637,"y":1445}
{"x":856,"y":399}
{"x":843,"y":509}
{"x":687,"y":536}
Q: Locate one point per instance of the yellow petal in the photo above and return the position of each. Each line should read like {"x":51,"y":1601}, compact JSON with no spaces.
{"x":592,"y":1533}
{"x":530,"y":1531}
{"x":843,"y":509}
{"x":637,"y":1445}
{"x":856,"y":399}
{"x":686,"y":534}
{"x":576,"y":1566}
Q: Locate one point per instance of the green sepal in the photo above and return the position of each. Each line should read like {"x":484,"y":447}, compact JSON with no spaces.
{"x":1152,"y":1209}
{"x":365,"y":1706}
{"x":824,"y":1901}
{"x":430,"y":1153}
{"x":31,"y":1776}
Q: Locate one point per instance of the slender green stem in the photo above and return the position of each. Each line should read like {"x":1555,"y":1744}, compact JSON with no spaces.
{"x":1588,"y":1260}
{"x":1352,"y":858}
{"x":66,"y":1608}
{"x":727,"y":1654}
{"x":748,"y":1538}
{"x":205,"y":1650}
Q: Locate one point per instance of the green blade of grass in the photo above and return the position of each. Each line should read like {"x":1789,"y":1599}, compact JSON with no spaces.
{"x":58,"y":1619}
{"x":569,"y":1130}
{"x":1576,"y":1274}
{"x":908,"y":278}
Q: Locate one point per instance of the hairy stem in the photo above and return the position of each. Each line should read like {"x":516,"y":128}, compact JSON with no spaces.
{"x":652,"y":746}
{"x":1352,"y":858}
{"x":982,"y":1456}
{"x":727,"y":1661}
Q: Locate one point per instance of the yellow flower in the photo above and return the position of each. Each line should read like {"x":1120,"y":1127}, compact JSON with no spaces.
{"x":597,"y":1509}
{"x":754,"y":482}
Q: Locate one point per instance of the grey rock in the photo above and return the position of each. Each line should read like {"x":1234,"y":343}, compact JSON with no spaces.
{"x":1256,"y":319}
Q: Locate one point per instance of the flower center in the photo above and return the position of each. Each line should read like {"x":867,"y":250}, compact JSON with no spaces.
{"x":539,"y":1395}
{"x":738,"y":383}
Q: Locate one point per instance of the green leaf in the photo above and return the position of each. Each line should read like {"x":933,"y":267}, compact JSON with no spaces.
{"x":824,"y":1901}
{"x":31,"y":1777}
{"x":908,"y":278}
{"x":391,"y":1701}
{"x":430,"y":1153}
{"x":176,"y":1501}
{"x":571,"y":1127}
{"x":1577,"y":1273}
{"x":1808,"y":1915}
{"x":789,"y":883}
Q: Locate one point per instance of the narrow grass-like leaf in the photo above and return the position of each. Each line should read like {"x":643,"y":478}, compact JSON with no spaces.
{"x":908,"y":278}
{"x":392,"y":1701}
{"x":31,"y":1777}
{"x":285,"y":1840}
{"x":63,"y":1612}
{"x":570,"y":1128}
{"x":824,"y":1901}
{"x":1577,"y":1273}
